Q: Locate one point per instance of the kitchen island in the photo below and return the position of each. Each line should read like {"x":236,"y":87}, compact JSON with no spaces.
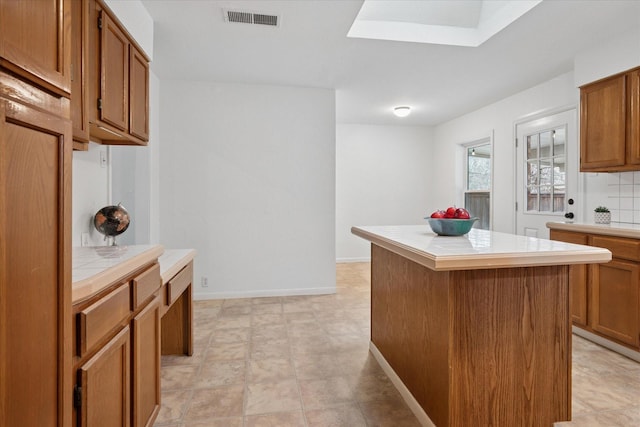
{"x":474,"y":330}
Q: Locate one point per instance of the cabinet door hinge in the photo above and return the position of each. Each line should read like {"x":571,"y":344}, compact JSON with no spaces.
{"x":516,"y":142}
{"x":516,"y":206}
{"x":99,"y":103}
{"x":100,"y":22}
{"x":77,"y":396}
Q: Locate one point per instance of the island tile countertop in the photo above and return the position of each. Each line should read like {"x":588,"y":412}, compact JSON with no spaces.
{"x":174,"y":260}
{"x":95,"y":267}
{"x":619,"y":229}
{"x":480,"y":249}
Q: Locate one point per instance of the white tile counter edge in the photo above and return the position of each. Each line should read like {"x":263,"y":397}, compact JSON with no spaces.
{"x":174,"y":260}
{"x":619,"y":229}
{"x":94,"y":268}
{"x":480,"y":249}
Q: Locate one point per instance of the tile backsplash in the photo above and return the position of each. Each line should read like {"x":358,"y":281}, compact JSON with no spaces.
{"x":623,"y":196}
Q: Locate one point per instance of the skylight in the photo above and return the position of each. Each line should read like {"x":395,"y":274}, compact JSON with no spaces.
{"x":458,"y":23}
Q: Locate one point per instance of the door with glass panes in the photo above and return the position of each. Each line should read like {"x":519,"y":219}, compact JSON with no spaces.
{"x":546,"y":173}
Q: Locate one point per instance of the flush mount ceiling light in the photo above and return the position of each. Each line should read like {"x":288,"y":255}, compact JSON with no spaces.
{"x":402,"y":111}
{"x":457,"y":23}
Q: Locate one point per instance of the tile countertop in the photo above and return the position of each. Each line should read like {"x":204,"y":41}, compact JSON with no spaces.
{"x":93,"y":268}
{"x":174,"y":260}
{"x":480,"y":249}
{"x":619,"y":229}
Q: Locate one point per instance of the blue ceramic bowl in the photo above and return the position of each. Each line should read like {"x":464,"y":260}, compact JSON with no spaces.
{"x":451,"y":226}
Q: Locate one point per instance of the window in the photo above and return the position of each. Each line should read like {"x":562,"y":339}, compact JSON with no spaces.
{"x":546,"y":171}
{"x":477,"y":195}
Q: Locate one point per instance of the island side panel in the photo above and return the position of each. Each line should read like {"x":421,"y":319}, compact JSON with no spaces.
{"x":409,"y":326}
{"x":511,"y":347}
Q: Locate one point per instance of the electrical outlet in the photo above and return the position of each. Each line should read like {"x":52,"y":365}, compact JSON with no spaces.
{"x":84,"y":239}
{"x":204,"y":282}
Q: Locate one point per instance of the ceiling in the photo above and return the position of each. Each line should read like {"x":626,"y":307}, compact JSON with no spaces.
{"x":457,"y":23}
{"x":310,"y":48}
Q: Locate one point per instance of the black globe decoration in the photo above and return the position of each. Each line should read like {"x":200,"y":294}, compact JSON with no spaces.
{"x":112,"y":221}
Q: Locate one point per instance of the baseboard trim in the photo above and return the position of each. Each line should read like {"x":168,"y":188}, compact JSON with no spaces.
{"x":264,"y":293}
{"x":413,"y":404}
{"x":627,"y":352}
{"x":349,"y":260}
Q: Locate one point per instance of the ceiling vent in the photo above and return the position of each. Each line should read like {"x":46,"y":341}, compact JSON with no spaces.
{"x":244,"y":17}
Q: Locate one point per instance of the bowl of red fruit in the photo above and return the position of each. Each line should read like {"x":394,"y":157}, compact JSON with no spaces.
{"x":451,"y":222}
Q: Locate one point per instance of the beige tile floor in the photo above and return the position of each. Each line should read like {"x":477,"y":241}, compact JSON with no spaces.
{"x":304,"y":361}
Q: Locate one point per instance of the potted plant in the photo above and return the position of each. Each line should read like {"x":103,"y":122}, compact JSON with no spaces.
{"x":602,"y":215}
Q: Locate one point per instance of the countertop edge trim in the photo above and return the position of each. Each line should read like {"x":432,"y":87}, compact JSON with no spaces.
{"x":86,"y":288}
{"x":175,"y":268}
{"x":485,"y":261}
{"x":594,"y":229}
{"x":421,"y":258}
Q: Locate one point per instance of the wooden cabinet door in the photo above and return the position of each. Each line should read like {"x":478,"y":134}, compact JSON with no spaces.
{"x":602,"y":124}
{"x":79,"y":81}
{"x":577,"y":277}
{"x":633,"y":117}
{"x":113,"y":103}
{"x":615,"y":310}
{"x":146,"y":364}
{"x":35,"y":266}
{"x":138,"y":95}
{"x":35,"y":42}
{"x":105,"y":385}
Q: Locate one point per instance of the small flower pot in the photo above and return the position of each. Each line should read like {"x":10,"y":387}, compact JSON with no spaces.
{"x":602,"y":217}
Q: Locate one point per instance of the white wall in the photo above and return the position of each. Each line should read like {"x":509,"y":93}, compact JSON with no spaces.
{"x":382,"y":178}
{"x":499,"y":117}
{"x":248,"y":180}
{"x":136,"y":20}
{"x":90,"y":192}
{"x":609,"y":57}
{"x":154,"y":158}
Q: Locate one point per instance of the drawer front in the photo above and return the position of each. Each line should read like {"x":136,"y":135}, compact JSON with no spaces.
{"x":101,"y":317}
{"x":179,"y":282}
{"x":568,"y":237}
{"x":619,"y":247}
{"x":144,"y":285}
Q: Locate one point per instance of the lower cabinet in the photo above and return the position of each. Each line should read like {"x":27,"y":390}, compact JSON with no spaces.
{"x":615,"y":295}
{"x":577,"y":278}
{"x":605,"y":298}
{"x":117,"y":360}
{"x":104,"y":385}
{"x":146,"y":364}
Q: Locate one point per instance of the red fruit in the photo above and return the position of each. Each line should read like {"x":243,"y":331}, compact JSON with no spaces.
{"x":450,"y":212}
{"x":462,"y":213}
{"x":438,"y":214}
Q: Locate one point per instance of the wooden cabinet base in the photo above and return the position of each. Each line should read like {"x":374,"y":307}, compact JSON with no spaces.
{"x":177,"y":313}
{"x":176,"y":327}
{"x":476,"y":347}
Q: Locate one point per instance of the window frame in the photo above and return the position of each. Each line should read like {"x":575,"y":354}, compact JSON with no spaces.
{"x":487,"y":140}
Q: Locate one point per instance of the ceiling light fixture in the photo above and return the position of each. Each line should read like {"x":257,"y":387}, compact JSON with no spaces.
{"x":402,"y":111}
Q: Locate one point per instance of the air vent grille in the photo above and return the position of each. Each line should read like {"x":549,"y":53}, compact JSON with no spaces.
{"x":251,"y":18}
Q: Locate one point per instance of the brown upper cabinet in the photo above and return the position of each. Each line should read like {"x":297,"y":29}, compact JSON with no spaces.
{"x":34,"y":42}
{"x":610,"y":124}
{"x":79,"y":40}
{"x":115,"y":101}
{"x":35,"y":239}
